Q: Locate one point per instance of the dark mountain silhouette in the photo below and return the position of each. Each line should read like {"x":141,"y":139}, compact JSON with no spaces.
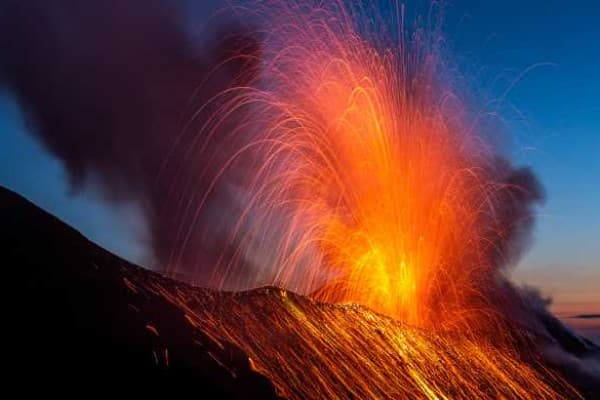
{"x":81,"y":320}
{"x":78,"y":323}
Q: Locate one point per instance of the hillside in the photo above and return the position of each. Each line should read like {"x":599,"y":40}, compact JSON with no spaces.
{"x":84,"y":317}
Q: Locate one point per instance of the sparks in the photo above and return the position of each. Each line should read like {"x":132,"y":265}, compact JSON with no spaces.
{"x":364,"y":183}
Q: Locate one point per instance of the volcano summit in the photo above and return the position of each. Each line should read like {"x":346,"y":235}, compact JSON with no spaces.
{"x":83,"y":313}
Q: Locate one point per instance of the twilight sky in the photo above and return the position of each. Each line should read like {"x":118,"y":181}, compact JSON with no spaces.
{"x":545,"y":52}
{"x":559,"y":132}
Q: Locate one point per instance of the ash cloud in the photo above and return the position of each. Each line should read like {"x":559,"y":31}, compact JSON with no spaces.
{"x":108,"y":86}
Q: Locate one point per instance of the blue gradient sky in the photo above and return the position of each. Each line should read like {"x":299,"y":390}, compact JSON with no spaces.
{"x":556,"y":46}
{"x":548,"y":50}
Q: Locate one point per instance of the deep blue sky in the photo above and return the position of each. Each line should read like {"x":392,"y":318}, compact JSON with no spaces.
{"x":549,"y":50}
{"x":556,"y":45}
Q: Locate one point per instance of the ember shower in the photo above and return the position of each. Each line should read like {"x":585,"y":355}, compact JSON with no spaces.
{"x":322,"y":149}
{"x":357,"y":172}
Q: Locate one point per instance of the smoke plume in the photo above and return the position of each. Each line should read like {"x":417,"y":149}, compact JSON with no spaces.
{"x":108,"y":86}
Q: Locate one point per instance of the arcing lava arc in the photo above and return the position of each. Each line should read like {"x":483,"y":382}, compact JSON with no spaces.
{"x":360,"y":175}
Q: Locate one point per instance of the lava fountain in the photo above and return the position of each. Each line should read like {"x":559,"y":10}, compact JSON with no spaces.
{"x":361,"y":178}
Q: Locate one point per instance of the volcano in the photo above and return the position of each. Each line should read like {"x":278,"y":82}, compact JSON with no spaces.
{"x":83,"y":317}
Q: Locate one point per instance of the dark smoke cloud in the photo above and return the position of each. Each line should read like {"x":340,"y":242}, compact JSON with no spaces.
{"x":107,"y":87}
{"x":514,"y":211}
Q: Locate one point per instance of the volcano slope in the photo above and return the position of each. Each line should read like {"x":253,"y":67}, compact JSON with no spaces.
{"x":83,"y":316}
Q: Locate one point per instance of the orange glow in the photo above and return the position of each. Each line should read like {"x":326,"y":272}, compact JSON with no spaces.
{"x":367,"y":184}
{"x":359,"y":179}
{"x":311,"y":350}
{"x":405,"y":211}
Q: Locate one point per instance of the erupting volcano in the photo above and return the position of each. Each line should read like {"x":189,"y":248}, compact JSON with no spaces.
{"x":362,"y":176}
{"x":337,"y":202}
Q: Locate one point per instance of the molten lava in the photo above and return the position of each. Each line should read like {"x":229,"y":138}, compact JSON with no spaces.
{"x":362,"y":179}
